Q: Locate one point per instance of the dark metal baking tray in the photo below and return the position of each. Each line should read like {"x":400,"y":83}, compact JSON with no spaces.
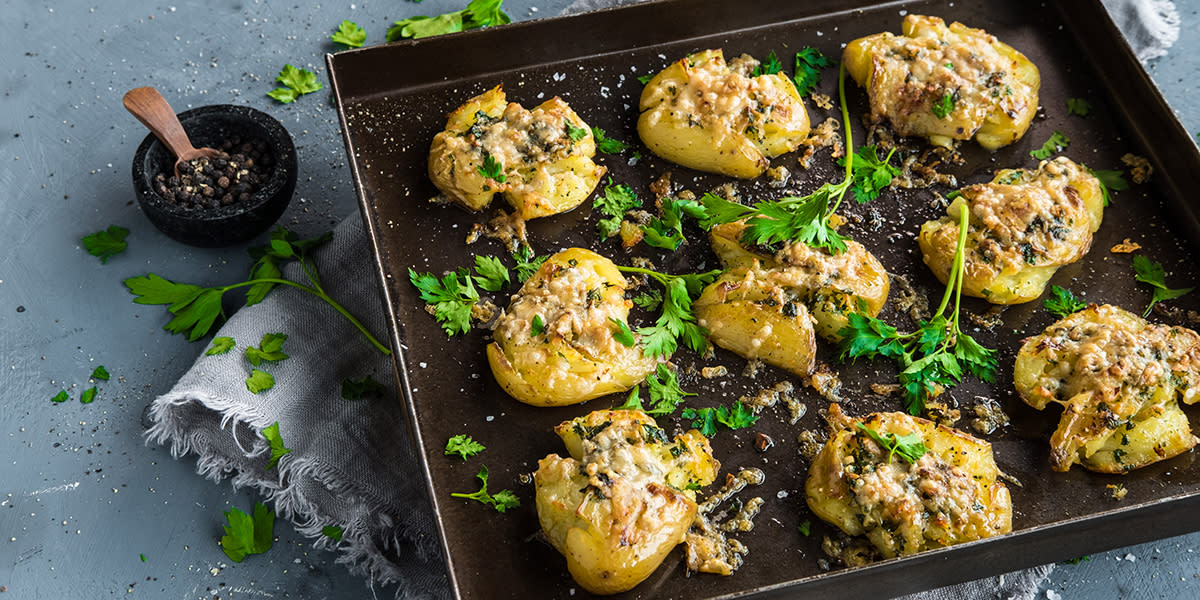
{"x":394,"y":98}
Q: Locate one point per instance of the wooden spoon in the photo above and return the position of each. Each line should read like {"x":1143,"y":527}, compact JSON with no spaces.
{"x":152,"y":110}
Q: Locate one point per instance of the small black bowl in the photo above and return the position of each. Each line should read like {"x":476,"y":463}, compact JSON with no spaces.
{"x":222,"y":225}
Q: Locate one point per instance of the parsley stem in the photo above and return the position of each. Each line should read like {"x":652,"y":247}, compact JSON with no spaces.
{"x":318,"y":292}
{"x":661,"y":278}
{"x":954,"y":281}
{"x":846,"y":120}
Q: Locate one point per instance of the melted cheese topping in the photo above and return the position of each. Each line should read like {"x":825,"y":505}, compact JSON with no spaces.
{"x":916,"y":77}
{"x":569,"y":302}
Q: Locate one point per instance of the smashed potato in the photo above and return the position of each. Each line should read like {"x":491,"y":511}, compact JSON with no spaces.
{"x":554,"y":344}
{"x":1120,"y":380}
{"x":719,"y":117}
{"x":618,"y":505}
{"x":946,"y":83}
{"x":949,"y":495}
{"x":1022,"y":227}
{"x":540,"y":159}
{"x":769,"y":306}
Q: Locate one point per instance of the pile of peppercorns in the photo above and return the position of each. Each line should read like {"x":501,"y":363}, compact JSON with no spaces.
{"x":242,"y":167}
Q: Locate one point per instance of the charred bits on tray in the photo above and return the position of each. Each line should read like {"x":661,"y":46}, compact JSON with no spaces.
{"x":242,"y":167}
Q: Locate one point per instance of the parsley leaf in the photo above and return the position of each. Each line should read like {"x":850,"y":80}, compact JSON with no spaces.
{"x":677,"y":319}
{"x":1153,"y":274}
{"x":271,"y":434}
{"x":332,"y":532}
{"x":871,"y":175}
{"x":770,"y":66}
{"x":259,"y":381}
{"x":245,"y":535}
{"x":787,"y":220}
{"x":933,"y":357}
{"x":1057,"y":143}
{"x":501,"y":501}
{"x":910,"y":447}
{"x":61,"y":396}
{"x":537,"y":326}
{"x":607,"y":145}
{"x":492,"y":274}
{"x":100,"y":373}
{"x":106,"y":243}
{"x":491,"y":168}
{"x":363,"y":387}
{"x":623,"y":335}
{"x":452,"y":298}
{"x":644,"y":79}
{"x":270,"y":349}
{"x":809,"y":62}
{"x":944,"y":105}
{"x":479,"y":13}
{"x":665,"y":393}
{"x":220,"y":345}
{"x":527,"y":264}
{"x":649,"y":300}
{"x":575,"y":133}
{"x":350,"y":35}
{"x":613,"y":203}
{"x":1062,"y":302}
{"x":297,"y":81}
{"x":666,"y":230}
{"x":1078,"y":107}
{"x":463,"y":446}
{"x":805,"y":528}
{"x":706,"y":419}
{"x":632,"y":402}
{"x":88,"y":395}
{"x":1110,"y":180}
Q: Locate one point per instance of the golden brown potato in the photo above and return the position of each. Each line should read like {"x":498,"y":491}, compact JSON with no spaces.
{"x":541,"y":160}
{"x":948,"y":496}
{"x":713,"y":116}
{"x":1120,"y":380}
{"x":574,"y":357}
{"x":621,"y":502}
{"x":766,"y":306}
{"x":1022,"y":227}
{"x":946,"y":83}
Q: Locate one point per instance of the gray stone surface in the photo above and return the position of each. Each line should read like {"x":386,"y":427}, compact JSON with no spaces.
{"x":82,"y":499}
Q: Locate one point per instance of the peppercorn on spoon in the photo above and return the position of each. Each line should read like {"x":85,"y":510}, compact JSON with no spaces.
{"x":156,"y":114}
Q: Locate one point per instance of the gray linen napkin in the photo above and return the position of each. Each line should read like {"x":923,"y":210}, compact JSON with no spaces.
{"x":347,"y":467}
{"x":346,"y":459}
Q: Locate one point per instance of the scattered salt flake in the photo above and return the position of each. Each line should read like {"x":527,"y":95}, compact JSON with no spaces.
{"x":1053,"y":595}
{"x":903,"y":12}
{"x":781,"y":494}
{"x":559,"y":76}
{"x":423,"y":364}
{"x":1130,"y":557}
{"x":490,"y":418}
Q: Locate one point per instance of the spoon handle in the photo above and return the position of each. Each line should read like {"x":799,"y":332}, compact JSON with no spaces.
{"x":152,"y":110}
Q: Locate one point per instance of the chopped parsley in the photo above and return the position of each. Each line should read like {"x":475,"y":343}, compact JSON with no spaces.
{"x":622,"y":335}
{"x":706,"y":419}
{"x":270,"y":349}
{"x":246,"y":535}
{"x":770,"y":66}
{"x":349,"y":34}
{"x":491,"y":168}
{"x":100,"y":373}
{"x":910,"y":447}
{"x":527,"y":264}
{"x":1110,"y":180}
{"x":809,"y":62}
{"x":106,"y":243}
{"x":665,"y":393}
{"x":275,"y":443}
{"x":296,"y":82}
{"x":944,"y":105}
{"x":1057,"y":143}
{"x":537,"y":326}
{"x":477,"y":14}
{"x":332,"y":532}
{"x":61,"y":396}
{"x":575,"y":133}
{"x":220,"y":345}
{"x":88,"y":395}
{"x":871,"y":175}
{"x":1078,"y":107}
{"x":463,"y":446}
{"x":1152,"y":273}
{"x":1062,"y":302}
{"x":501,"y":501}
{"x":613,"y":204}
{"x":259,"y":381}
{"x":607,"y":145}
{"x":666,"y":231}
{"x":805,"y":528}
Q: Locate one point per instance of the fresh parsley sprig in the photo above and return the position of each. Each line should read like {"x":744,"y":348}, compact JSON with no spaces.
{"x":501,"y":500}
{"x":1147,"y":271}
{"x":275,"y":443}
{"x":1109,"y":180}
{"x":527,"y":263}
{"x":1057,"y":143}
{"x":793,"y":219}
{"x":297,"y":82}
{"x":479,"y":13}
{"x":198,"y":309}
{"x":245,"y":534}
{"x":706,"y":419}
{"x":677,"y":319}
{"x":607,"y":145}
{"x":934,"y":356}
{"x":349,"y":34}
{"x":665,"y":393}
{"x":666,"y":231}
{"x":613,"y":203}
{"x":809,"y":62}
{"x":770,"y":66}
{"x":452,"y":297}
{"x":871,"y":175}
{"x":463,"y":446}
{"x":1062,"y":302}
{"x":910,"y":446}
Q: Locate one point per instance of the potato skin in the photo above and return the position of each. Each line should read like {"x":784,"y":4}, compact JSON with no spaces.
{"x":713,"y":116}
{"x":1022,"y":227}
{"x":575,"y":358}
{"x":951,"y":495}
{"x":771,"y":306}
{"x":993,"y":86}
{"x":1120,"y":380}
{"x":618,"y":505}
{"x":545,"y":171}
